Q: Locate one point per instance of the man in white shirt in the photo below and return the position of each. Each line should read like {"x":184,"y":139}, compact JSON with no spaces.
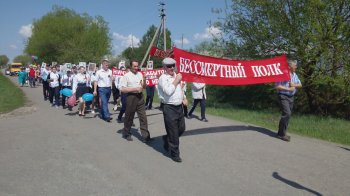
{"x":133,"y":84}
{"x":54,"y":83}
{"x":172,"y":97}
{"x":104,"y":82}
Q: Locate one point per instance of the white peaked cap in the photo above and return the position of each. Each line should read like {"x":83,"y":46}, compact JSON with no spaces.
{"x":168,"y":61}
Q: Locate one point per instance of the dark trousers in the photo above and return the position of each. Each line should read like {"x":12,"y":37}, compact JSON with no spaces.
{"x":115,"y":93}
{"x":194,"y":105}
{"x":64,"y":97}
{"x":185,"y":109}
{"x":149,"y":97}
{"x":32,"y":81}
{"x":174,"y":125}
{"x":122,"y":110}
{"x":105,"y":94}
{"x":135,"y":103}
{"x":46,"y":89}
{"x":55,"y":92}
{"x":287,"y":103}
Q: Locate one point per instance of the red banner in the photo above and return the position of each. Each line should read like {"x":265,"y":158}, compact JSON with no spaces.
{"x":210,"y":70}
{"x":156,"y":52}
{"x":151,"y":75}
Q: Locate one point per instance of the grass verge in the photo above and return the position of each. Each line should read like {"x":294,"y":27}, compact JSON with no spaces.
{"x":11,"y":97}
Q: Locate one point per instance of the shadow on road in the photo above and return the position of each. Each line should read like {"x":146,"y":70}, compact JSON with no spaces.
{"x":157,"y":143}
{"x":294,"y":184}
{"x":348,"y":149}
{"x":221,"y":129}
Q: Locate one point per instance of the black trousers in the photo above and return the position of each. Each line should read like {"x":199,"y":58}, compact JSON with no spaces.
{"x":149,"y":97}
{"x":46,"y":89}
{"x":55,"y":92}
{"x":135,"y":103}
{"x":64,"y":97}
{"x":122,"y":110}
{"x":287,"y":103}
{"x":115,"y":93}
{"x":174,"y":125}
{"x":194,"y":105}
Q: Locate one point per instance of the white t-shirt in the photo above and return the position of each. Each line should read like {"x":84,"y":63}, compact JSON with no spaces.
{"x":131,"y":80}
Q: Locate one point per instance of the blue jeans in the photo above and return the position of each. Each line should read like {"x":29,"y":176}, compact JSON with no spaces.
{"x":105,"y":94}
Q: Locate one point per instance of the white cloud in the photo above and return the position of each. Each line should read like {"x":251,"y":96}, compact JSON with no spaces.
{"x":13,"y":46}
{"x":126,"y":41}
{"x":209,"y":33}
{"x":179,"y":41}
{"x":26,"y":30}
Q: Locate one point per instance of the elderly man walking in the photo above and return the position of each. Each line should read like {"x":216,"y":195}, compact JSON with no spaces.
{"x":172,"y":96}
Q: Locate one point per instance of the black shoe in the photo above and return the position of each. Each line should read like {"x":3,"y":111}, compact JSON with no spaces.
{"x":204,"y":120}
{"x":128,"y":137}
{"x":119,"y":120}
{"x":186,"y":116}
{"x":147,"y":140}
{"x":108,"y":119}
{"x":165,"y":143}
{"x":177,"y":159}
{"x":284,"y":138}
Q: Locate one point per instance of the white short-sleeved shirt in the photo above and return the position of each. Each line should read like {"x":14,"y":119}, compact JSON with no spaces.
{"x":55,"y":77}
{"x":131,"y":80}
{"x":104,"y":78}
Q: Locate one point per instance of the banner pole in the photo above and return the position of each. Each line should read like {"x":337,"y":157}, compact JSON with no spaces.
{"x":151,"y":44}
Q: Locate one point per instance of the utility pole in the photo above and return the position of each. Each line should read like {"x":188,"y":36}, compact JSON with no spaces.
{"x":158,"y":32}
{"x":162,"y":15}
{"x":182,"y":41}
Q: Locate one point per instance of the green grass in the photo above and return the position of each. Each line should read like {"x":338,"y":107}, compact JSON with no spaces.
{"x":325,"y":128}
{"x":11,"y":97}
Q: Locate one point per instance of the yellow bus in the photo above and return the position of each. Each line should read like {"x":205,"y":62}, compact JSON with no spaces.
{"x":15,"y":68}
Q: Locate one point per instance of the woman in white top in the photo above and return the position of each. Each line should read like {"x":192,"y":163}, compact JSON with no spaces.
{"x":54,"y":90}
{"x":66,"y":82}
{"x":80,"y":87}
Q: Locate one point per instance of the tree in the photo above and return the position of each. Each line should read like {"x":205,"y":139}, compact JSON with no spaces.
{"x":24,"y":59}
{"x":316,"y":33}
{"x":62,"y":35}
{"x":3,"y":60}
{"x":139,"y":52}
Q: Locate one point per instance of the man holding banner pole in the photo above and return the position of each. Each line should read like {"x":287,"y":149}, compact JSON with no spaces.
{"x":286,"y":91}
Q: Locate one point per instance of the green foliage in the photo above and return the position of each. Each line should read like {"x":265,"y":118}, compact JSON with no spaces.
{"x":11,"y":97}
{"x":24,"y":59}
{"x":3,"y":60}
{"x":62,"y":35}
{"x":316,"y":33}
{"x":138,"y":53}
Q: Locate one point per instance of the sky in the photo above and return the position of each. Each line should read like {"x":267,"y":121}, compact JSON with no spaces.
{"x":128,"y":20}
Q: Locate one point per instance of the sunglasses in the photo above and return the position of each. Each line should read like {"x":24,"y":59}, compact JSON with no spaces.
{"x":170,"y":66}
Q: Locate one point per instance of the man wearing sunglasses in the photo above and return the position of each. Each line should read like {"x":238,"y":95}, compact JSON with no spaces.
{"x":171,"y":96}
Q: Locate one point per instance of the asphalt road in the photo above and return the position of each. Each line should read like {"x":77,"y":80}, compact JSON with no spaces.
{"x":49,"y":151}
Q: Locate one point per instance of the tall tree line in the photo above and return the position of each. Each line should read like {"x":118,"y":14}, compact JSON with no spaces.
{"x":316,"y":33}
